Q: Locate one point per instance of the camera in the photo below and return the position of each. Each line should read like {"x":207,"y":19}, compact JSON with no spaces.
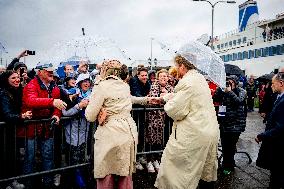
{"x":22,"y":71}
{"x":30,"y":52}
{"x":228,"y":84}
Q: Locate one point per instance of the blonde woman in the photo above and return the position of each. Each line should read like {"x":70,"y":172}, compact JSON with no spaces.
{"x":190,"y":154}
{"x":116,"y":135}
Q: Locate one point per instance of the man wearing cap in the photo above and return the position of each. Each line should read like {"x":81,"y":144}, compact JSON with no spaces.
{"x":232,"y":119}
{"x":42,"y":97}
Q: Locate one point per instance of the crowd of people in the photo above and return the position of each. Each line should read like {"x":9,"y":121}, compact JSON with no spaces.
{"x":269,"y":34}
{"x":200,"y":113}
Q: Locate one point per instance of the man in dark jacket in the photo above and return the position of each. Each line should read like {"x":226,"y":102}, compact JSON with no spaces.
{"x":140,"y":87}
{"x":139,"y":84}
{"x":41,"y":96}
{"x":232,"y":120}
{"x":271,"y":154}
{"x":251,"y":93}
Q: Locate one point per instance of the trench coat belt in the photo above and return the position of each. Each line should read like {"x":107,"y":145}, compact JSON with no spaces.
{"x":118,"y":116}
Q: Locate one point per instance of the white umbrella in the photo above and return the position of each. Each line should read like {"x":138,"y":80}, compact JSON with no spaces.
{"x":205,"y":60}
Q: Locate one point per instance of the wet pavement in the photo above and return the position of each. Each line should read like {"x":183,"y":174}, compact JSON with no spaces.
{"x":245,"y":176}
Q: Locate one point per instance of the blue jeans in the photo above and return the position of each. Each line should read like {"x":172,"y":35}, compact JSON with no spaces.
{"x":46,"y":148}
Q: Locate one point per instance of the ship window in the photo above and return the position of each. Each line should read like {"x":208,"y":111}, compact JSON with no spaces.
{"x":235,"y":56}
{"x":225,"y":58}
{"x":278,"y":50}
{"x":239,"y":41}
{"x":262,"y":52}
{"x":245,"y":54}
{"x":257,"y":53}
{"x":265,"y":51}
{"x":251,"y":54}
{"x":218,"y":46}
{"x":234,"y":42}
{"x":274,"y":50}
{"x":244,"y":39}
{"x":270,"y":52}
{"x":226,"y":45}
{"x":222,"y":46}
{"x":230,"y":57}
{"x":240,"y":57}
{"x":282,"y":49}
{"x":230,"y":44}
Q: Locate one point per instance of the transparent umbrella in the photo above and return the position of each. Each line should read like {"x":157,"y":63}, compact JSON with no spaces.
{"x":205,"y":60}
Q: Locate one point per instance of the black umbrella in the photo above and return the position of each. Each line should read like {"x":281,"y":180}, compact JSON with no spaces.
{"x":233,"y":70}
{"x":266,"y":77}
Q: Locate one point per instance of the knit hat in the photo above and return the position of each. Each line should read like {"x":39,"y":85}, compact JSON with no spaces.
{"x":233,"y":78}
{"x":18,"y":65}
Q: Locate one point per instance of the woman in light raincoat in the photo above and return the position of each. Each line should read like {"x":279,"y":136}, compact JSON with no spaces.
{"x":190,"y":156}
{"x":116,"y":136}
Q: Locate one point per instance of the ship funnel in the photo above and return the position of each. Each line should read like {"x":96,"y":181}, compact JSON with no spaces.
{"x":248,"y":14}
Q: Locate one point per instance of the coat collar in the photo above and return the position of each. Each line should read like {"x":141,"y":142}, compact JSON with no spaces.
{"x":43,"y":86}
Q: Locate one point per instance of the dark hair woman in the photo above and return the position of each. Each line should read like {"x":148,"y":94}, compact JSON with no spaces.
{"x":10,"y":113}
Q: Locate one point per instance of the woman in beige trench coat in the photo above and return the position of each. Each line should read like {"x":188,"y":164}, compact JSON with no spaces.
{"x":191,"y":152}
{"x":116,"y":137}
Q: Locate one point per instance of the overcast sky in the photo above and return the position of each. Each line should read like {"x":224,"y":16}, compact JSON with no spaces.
{"x":39,"y":24}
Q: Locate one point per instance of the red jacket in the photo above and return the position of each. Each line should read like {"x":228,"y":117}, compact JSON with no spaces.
{"x":38,"y":99}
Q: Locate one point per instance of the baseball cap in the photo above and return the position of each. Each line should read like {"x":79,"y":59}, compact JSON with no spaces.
{"x":46,"y":66}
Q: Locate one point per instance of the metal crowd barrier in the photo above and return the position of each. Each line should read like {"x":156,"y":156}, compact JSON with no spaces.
{"x":13,"y":149}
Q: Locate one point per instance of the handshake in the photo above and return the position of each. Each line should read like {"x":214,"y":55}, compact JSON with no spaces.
{"x":154,"y":100}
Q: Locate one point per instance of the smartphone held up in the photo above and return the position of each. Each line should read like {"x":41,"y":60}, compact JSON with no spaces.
{"x":28,"y":52}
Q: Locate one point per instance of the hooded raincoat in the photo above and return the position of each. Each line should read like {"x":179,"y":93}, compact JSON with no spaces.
{"x":191,"y":152}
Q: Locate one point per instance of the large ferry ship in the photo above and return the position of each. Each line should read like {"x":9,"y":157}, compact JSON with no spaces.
{"x":257,"y":47}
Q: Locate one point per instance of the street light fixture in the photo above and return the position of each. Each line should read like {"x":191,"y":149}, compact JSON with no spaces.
{"x":151,"y":58}
{"x":213,"y":6}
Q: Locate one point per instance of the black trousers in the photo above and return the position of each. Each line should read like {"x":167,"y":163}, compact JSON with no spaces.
{"x":229,"y":141}
{"x":276,"y":178}
{"x":206,"y":185}
{"x":250,"y":103}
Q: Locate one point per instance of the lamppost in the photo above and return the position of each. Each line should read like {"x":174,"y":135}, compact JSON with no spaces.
{"x":151,"y":58}
{"x":212,"y":21}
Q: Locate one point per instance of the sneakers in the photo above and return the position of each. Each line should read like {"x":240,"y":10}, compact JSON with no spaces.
{"x":139,"y":166}
{"x":56,"y":179}
{"x":150,"y":167}
{"x":16,"y":185}
{"x":156,"y":165}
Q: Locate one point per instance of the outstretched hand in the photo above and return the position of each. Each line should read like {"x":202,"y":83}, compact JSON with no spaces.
{"x":155,"y":100}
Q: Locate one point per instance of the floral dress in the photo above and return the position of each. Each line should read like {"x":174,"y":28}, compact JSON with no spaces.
{"x":156,"y":118}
